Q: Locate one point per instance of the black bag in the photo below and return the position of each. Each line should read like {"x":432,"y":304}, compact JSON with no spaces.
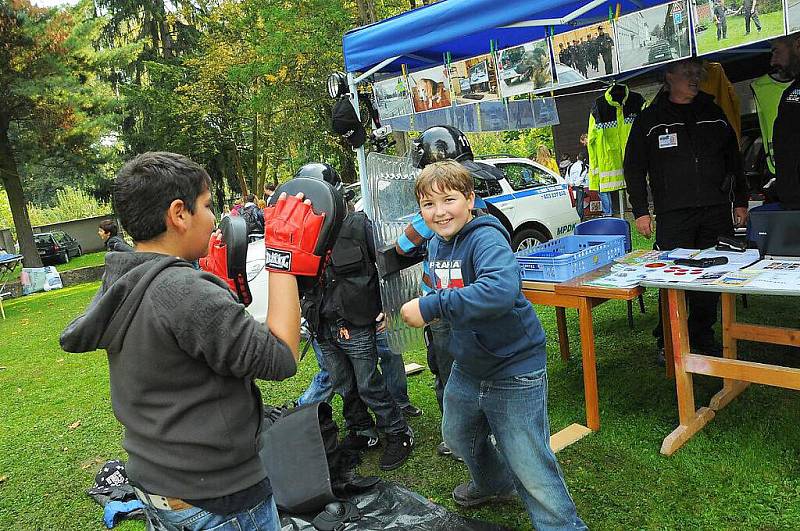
{"x":255,"y":224}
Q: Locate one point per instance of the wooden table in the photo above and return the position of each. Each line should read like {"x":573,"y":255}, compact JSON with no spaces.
{"x":576,"y":294}
{"x":736,"y":374}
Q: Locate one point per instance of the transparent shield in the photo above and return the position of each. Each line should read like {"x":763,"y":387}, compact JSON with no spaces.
{"x":391,"y":185}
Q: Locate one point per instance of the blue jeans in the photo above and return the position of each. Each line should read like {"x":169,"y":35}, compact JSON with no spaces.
{"x":605,"y":201}
{"x":580,"y":194}
{"x":353,"y":365}
{"x":320,"y":389}
{"x":262,"y":517}
{"x":514,"y":410}
{"x":392,"y":367}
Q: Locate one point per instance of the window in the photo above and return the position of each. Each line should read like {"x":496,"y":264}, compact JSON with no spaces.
{"x":523,"y":176}
{"x":485,"y":188}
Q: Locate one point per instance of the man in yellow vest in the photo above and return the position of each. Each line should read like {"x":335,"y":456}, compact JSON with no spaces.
{"x":786,"y":130}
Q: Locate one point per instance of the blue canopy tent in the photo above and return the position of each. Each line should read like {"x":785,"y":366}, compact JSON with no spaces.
{"x":465,"y":28}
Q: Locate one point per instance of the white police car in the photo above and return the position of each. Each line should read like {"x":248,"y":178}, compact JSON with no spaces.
{"x":535,"y":200}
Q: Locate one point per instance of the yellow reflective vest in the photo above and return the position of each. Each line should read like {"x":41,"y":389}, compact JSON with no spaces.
{"x":767,"y":93}
{"x":609,"y":125}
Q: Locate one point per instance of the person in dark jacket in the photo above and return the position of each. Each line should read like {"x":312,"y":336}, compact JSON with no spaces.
{"x":684,"y":148}
{"x":108,"y":232}
{"x":785,"y":131}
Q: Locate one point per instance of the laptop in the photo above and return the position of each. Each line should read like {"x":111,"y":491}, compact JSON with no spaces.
{"x":776,"y":232}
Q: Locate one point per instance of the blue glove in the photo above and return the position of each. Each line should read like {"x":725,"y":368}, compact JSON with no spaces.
{"x":115,"y":509}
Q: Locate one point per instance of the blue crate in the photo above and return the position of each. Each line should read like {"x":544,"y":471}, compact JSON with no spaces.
{"x":569,"y":256}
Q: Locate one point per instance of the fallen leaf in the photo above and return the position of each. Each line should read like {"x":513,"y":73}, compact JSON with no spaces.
{"x":19,"y":389}
{"x":60,"y":360}
{"x":74,"y":424}
{"x":3,"y":479}
{"x":3,"y":368}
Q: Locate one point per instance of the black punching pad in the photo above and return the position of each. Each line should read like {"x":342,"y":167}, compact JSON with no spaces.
{"x":234,"y":234}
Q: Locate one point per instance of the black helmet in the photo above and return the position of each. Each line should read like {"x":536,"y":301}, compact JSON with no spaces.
{"x":440,"y":142}
{"x":321,"y":170}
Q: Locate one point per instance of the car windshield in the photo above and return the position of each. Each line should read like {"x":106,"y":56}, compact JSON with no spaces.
{"x":42,"y":238}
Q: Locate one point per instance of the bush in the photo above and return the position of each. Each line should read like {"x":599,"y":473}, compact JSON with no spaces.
{"x":71,"y":203}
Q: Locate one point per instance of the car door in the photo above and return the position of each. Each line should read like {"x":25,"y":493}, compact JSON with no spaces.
{"x":492,"y":191}
{"x":525,"y":181}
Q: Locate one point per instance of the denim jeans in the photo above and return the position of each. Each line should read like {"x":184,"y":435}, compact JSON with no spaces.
{"x":320,"y":388}
{"x":440,"y":361}
{"x":262,"y":517}
{"x":514,"y":410}
{"x":392,"y":367}
{"x":605,"y":201}
{"x":580,"y":195}
{"x":353,"y":365}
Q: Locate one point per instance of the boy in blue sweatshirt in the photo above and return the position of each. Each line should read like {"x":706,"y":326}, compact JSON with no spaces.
{"x":498,"y":382}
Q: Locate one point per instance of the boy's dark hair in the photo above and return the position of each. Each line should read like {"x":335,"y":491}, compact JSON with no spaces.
{"x":251,"y":198}
{"x":109,"y":226}
{"x":444,"y":175}
{"x":270,"y":187}
{"x":146,"y":186}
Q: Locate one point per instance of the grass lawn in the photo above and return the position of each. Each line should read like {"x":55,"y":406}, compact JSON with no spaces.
{"x":771,"y":26}
{"x":741,"y":472}
{"x":85,"y":260}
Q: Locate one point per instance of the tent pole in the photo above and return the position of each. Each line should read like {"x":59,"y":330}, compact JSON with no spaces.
{"x":361,"y":155}
{"x":374,"y":69}
{"x":558,"y":21}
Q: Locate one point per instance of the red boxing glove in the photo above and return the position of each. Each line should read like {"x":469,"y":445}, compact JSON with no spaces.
{"x":291,"y":232}
{"x":216,"y":261}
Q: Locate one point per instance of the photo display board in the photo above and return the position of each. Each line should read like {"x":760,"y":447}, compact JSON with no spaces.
{"x":474,"y":80}
{"x":585,"y":53}
{"x":792,"y":16}
{"x":430,"y":89}
{"x":653,"y":36}
{"x":524,"y":69}
{"x":724,"y":24}
{"x":392,"y":97}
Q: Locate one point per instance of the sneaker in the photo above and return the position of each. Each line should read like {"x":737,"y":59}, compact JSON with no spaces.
{"x":443,"y":449}
{"x":354,"y":441}
{"x":411,"y":411}
{"x":398,"y":448}
{"x":468,"y":495}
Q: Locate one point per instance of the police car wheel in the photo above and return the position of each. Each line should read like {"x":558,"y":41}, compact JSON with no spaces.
{"x":525,"y":239}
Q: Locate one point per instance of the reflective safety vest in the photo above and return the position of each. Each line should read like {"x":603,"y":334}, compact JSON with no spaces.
{"x":767,"y":93}
{"x":609,"y":126}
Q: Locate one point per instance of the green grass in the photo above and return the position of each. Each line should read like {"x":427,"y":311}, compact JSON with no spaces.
{"x":771,"y":26}
{"x":85,"y":260}
{"x":741,"y":472}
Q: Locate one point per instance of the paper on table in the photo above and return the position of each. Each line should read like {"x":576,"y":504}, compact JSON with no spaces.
{"x":746,"y":258}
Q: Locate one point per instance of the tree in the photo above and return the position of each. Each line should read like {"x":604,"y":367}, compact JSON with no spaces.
{"x":53,"y":103}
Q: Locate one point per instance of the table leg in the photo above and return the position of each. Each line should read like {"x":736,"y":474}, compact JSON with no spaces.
{"x":730,"y":388}
{"x":563,"y":337}
{"x":589,"y":365}
{"x":691,"y":420}
{"x":666,"y":330}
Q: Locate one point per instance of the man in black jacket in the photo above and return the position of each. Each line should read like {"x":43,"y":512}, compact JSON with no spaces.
{"x":786,"y":131}
{"x":685,"y":147}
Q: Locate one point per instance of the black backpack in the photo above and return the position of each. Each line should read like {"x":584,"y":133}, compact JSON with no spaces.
{"x":254,"y":224}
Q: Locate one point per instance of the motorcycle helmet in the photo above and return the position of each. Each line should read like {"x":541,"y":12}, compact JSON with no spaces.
{"x":440,"y":142}
{"x":325,"y":172}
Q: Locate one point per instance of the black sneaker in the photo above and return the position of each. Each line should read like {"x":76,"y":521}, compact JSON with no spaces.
{"x":354,"y":441}
{"x":468,"y":495}
{"x":398,"y":448}
{"x":411,"y":411}
{"x":443,"y":449}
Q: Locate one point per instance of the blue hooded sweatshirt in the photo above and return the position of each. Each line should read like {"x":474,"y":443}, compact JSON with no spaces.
{"x":495,"y":332}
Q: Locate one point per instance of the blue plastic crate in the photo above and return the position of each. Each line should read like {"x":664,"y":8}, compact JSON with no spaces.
{"x":569,"y":256}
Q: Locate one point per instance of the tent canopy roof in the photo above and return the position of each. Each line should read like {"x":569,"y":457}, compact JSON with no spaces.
{"x":421,"y":37}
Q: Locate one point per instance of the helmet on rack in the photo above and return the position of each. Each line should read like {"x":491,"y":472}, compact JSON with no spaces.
{"x":440,"y":142}
{"x":322,"y":171}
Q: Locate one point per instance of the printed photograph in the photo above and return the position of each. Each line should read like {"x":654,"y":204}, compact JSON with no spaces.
{"x":474,"y":80}
{"x":793,"y":15}
{"x":466,"y":118}
{"x":430,"y":89}
{"x":391,"y":97}
{"x":585,"y":53}
{"x":524,"y":68}
{"x":545,"y":112}
{"x":723,"y":24}
{"x":520,"y":114}
{"x":653,"y":36}
{"x":493,"y":116}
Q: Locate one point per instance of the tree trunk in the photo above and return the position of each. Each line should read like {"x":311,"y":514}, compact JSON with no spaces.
{"x":16,"y":198}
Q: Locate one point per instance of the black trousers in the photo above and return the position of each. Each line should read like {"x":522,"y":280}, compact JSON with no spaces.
{"x":694,"y":228}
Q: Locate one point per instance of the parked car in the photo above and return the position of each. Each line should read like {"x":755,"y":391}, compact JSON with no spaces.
{"x":57,"y":246}
{"x":660,"y":51}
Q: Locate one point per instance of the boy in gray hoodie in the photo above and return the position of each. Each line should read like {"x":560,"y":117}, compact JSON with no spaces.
{"x":183,"y":355}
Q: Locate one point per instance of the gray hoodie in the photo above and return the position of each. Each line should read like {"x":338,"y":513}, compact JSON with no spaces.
{"x":182,"y":356}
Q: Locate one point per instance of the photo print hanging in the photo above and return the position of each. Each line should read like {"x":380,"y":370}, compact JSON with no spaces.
{"x":585,"y":53}
{"x":723,"y":24}
{"x":653,"y":36}
{"x":430,"y":89}
{"x":524,"y":69}
{"x":474,"y":80}
{"x":392,"y":97}
{"x":793,"y":16}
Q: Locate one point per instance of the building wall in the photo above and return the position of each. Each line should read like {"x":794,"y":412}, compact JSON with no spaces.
{"x":83,"y":230}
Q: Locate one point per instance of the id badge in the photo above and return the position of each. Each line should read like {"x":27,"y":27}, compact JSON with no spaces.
{"x":668,"y":141}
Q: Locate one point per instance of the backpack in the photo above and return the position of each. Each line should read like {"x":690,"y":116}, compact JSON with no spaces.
{"x":250,"y":216}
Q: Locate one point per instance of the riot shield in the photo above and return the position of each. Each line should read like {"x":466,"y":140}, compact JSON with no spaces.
{"x":391,"y":186}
